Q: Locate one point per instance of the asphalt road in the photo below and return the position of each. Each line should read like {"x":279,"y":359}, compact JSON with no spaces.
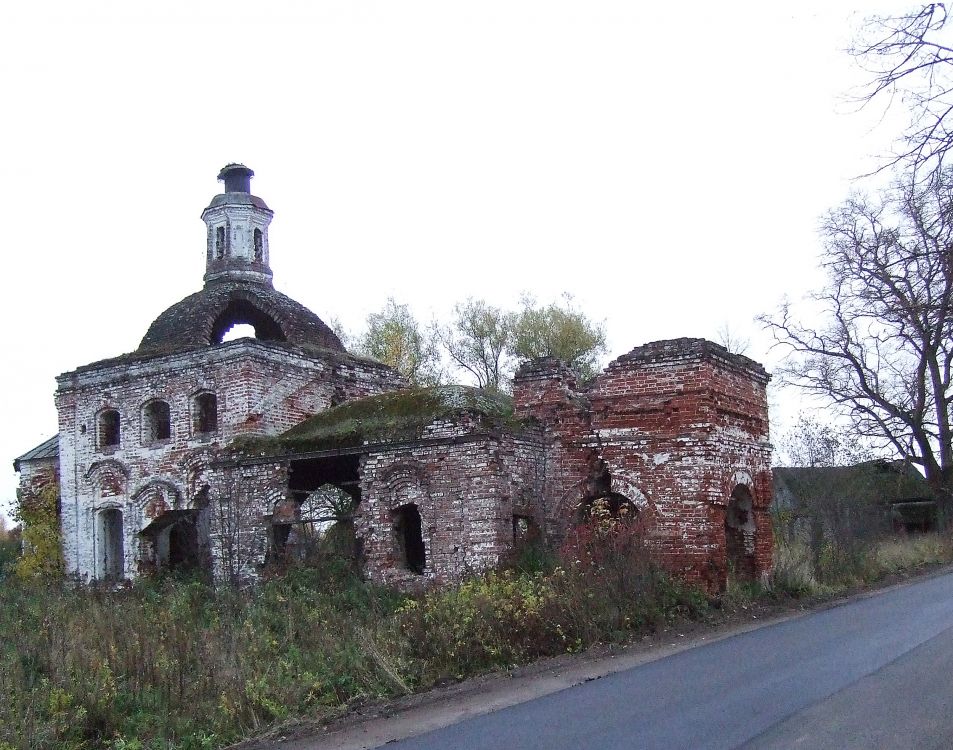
{"x":874,"y":673}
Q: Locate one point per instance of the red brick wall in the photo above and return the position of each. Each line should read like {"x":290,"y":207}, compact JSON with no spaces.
{"x":678,"y":424}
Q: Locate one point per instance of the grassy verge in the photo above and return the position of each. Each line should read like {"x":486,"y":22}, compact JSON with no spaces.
{"x":178,"y":665}
{"x":803,"y":571}
{"x":175,"y":664}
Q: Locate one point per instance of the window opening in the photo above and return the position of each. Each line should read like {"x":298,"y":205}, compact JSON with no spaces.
{"x":410,"y":540}
{"x":109,"y":428}
{"x":205,"y":413}
{"x":158,"y":425}
{"x":240,"y":331}
{"x":219,"y":242}
{"x":259,"y":246}
{"x":240,"y":313}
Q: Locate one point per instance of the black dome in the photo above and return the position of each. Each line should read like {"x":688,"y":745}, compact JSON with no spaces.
{"x":201,"y":319}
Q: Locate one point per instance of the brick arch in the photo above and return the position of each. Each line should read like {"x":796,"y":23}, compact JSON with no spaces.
{"x":403,"y":482}
{"x":622,"y":486}
{"x":245,"y":308}
{"x":109,"y":478}
{"x":739,"y":477}
{"x":196,"y":466}
{"x":619,"y":484}
{"x":170,"y":498}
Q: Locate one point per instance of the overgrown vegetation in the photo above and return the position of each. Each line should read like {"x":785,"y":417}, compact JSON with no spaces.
{"x":392,"y":416}
{"x":9,"y":549}
{"x":482,"y":344}
{"x":38,"y":512}
{"x":801,"y":570}
{"x":843,"y":529}
{"x":173,"y":663}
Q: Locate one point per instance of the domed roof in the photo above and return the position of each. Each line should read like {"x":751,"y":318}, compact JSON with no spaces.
{"x":203,"y":318}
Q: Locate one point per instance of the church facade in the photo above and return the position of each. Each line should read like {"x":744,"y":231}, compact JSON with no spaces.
{"x":235,"y":455}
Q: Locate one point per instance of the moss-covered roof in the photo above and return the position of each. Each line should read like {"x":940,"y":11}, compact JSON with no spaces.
{"x":398,"y":416}
{"x":873,"y":482}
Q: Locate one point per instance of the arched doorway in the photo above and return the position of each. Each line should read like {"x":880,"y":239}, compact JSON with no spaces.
{"x":409,"y":536}
{"x":172,"y":541}
{"x":111,"y":547}
{"x":740,"y":532}
{"x":600,"y":497}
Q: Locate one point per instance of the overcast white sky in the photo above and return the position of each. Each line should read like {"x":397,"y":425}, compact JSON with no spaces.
{"x":665,"y":163}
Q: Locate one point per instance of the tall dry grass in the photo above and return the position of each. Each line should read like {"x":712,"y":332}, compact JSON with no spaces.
{"x":178,"y":665}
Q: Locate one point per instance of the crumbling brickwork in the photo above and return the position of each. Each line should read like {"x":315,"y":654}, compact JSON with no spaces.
{"x":138,"y":433}
{"x":194,"y":450}
{"x":678,"y":428}
{"x":260,"y":388}
{"x":466,"y":484}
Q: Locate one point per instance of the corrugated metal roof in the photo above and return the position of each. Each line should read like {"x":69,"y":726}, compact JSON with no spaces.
{"x":47,"y":449}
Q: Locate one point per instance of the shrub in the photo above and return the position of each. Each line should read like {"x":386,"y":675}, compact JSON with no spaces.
{"x":38,"y":512}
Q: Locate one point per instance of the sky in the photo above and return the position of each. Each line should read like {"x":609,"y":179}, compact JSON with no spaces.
{"x":666,"y":164}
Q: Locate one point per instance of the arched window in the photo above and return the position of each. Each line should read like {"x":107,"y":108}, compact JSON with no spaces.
{"x":205,"y":413}
{"x":409,"y":537}
{"x":241,"y":311}
{"x":108,"y":428}
{"x":219,"y":242}
{"x":259,"y":246}
{"x":156,"y":423}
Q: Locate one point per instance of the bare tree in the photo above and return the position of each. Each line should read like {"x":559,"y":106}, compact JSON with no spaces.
{"x":812,"y":442}
{"x":883,"y":354}
{"x":906,"y":58}
{"x":732,"y":340}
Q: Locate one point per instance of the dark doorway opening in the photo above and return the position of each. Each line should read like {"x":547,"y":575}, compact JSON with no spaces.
{"x":174,"y":539}
{"x":112,"y":552}
{"x":740,"y":531}
{"x":410,"y":539}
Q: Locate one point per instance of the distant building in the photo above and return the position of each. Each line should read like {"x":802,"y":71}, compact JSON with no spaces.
{"x":871,"y":497}
{"x":195,"y":451}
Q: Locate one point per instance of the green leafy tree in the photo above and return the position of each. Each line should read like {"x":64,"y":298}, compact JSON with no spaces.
{"x":477,"y":341}
{"x":395,"y":338}
{"x":42,"y":556}
{"x":558,"y":330}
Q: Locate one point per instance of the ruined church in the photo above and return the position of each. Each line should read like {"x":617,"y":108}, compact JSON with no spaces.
{"x":229,"y":455}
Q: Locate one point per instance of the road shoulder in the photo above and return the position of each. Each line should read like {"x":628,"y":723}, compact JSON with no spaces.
{"x":379,"y":722}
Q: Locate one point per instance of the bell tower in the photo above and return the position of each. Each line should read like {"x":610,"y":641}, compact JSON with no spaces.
{"x":237,"y":224}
